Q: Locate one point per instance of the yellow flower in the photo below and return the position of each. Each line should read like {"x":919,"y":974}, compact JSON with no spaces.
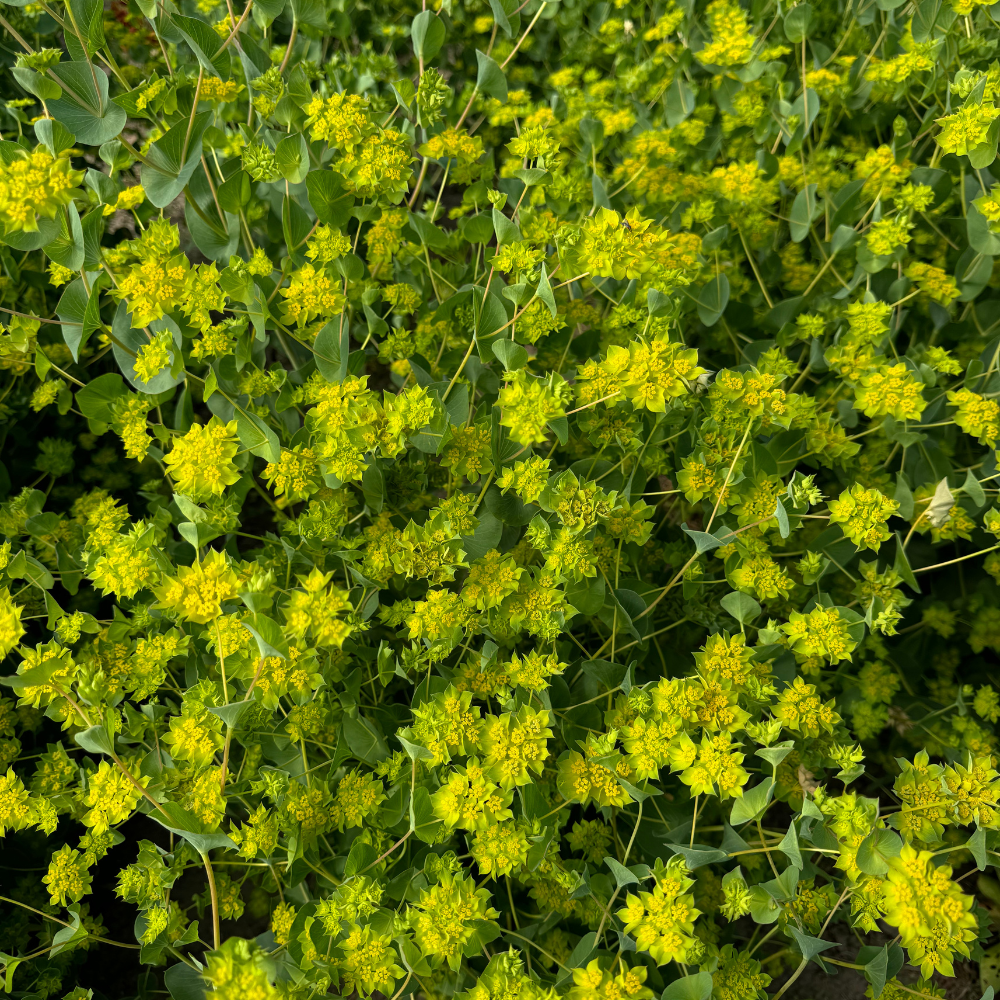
{"x":128,"y":199}
{"x":34,"y":184}
{"x":662,"y":921}
{"x":977,"y":415}
{"x":732,"y":41}
{"x":201,"y":462}
{"x":891,"y":391}
{"x":358,"y":797}
{"x":800,"y":709}
{"x":11,"y":628}
{"x":964,"y":130}
{"x":111,"y":796}
{"x":500,"y":849}
{"x":196,"y":593}
{"x":311,"y":294}
{"x":153,"y":357}
{"x":862,"y":514}
{"x":295,"y":475}
{"x":68,"y":876}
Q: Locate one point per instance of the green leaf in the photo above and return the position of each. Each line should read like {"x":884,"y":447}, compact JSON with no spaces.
{"x":48,"y":229}
{"x":679,"y":102}
{"x":95,"y":740}
{"x":782,"y":517}
{"x":414,"y":751}
{"x":804,"y":208}
{"x":490,"y":317}
{"x":753,"y":802}
{"x":876,"y":971}
{"x":328,"y":198}
{"x":600,"y":192}
{"x":904,"y":497}
{"x":53,"y":135}
{"x":127,"y":342}
{"x":95,"y":398}
{"x":983,"y":155}
{"x":504,"y":13}
{"x":713,"y":299}
{"x":763,"y":907}
{"x":269,"y":8}
{"x":404,"y":91}
{"x":84,"y":107}
{"x":423,"y":822}
{"x":582,"y":951}
{"x":490,"y":78}
{"x":741,"y":606}
{"x":544,"y":290}
{"x":217,"y":241}
{"x":696,"y":987}
{"x":705,"y":542}
{"x":172,"y":159}
{"x":477,"y":228}
{"x":901,"y":565}
{"x":231,"y":713}
{"x":175,"y":818}
{"x":798,"y":23}
{"x":234,"y":193}
{"x":843,"y":238}
{"x":428,"y":34}
{"x":332,"y":348}
{"x":67,"y":937}
{"x":511,"y":355}
{"x":789,"y":846}
{"x":698,"y":855}
{"x":362,"y":856}
{"x":658,"y":303}
{"x":42,"y":86}
{"x":622,"y":874}
{"x":257,"y":436}
{"x":810,"y":947}
{"x":973,"y":489}
{"x":184,"y":982}
{"x":291,"y":156}
{"x":981,"y":238}
{"x":876,"y":850}
{"x":311,"y":12}
{"x":269,"y":637}
{"x":67,"y":247}
{"x":203,"y":41}
{"x":507,"y":231}
{"x":776,"y":754}
{"x":25,"y":567}
{"x":364,"y":740}
{"x":976,"y":845}
{"x":592,"y":132}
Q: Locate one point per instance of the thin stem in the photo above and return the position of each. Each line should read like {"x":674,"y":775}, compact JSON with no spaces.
{"x":215,"y":900}
{"x":93,"y":937}
{"x":291,"y":42}
{"x":951,"y":562}
{"x":238,"y":25}
{"x":513,"y":51}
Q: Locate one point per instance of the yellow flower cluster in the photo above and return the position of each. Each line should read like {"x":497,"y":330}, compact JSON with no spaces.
{"x":863,"y":513}
{"x":34,"y":184}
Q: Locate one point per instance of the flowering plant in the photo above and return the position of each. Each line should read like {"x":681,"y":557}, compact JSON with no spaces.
{"x":498,"y":499}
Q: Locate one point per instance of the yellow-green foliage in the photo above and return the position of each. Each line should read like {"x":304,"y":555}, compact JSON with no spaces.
{"x":498,"y":499}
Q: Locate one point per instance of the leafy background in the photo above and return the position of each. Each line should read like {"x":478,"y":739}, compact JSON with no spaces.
{"x":643,"y":328}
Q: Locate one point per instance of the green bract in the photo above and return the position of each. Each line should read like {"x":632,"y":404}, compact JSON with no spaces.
{"x":499,"y":500}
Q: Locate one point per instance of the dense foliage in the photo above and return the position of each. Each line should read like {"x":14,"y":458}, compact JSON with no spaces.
{"x":499,"y":499}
